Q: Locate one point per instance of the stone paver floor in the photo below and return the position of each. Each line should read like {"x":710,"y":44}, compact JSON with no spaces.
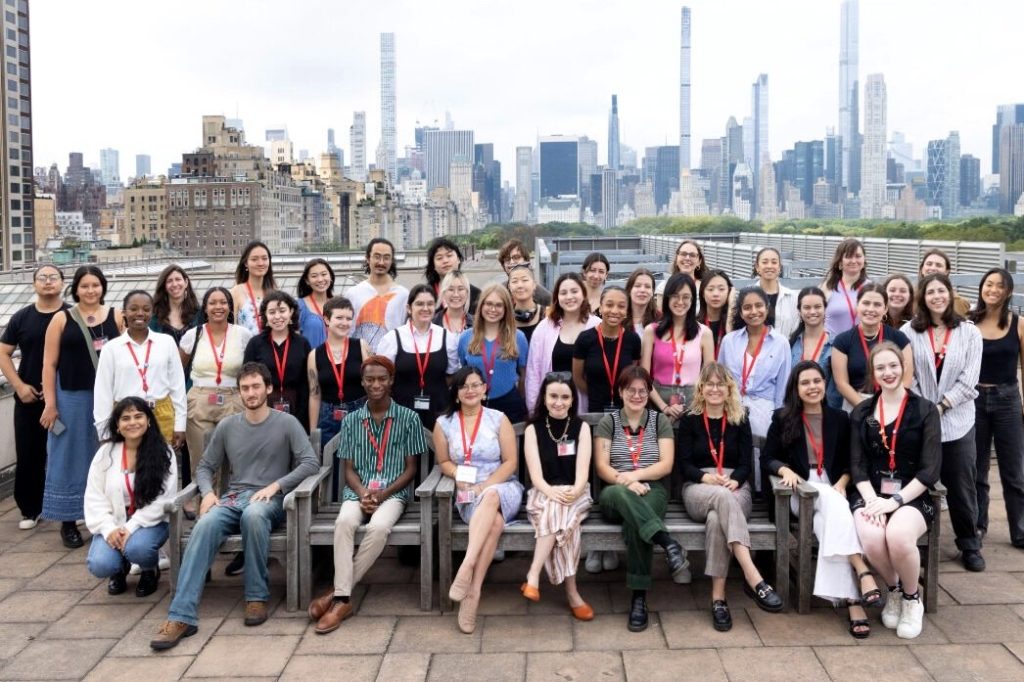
{"x":57,"y":622}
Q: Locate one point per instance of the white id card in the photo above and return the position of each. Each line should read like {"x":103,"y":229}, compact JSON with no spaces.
{"x":891,"y":486}
{"x":465,"y":474}
{"x":566,"y":448}
{"x":464,"y":496}
{"x":421,"y":402}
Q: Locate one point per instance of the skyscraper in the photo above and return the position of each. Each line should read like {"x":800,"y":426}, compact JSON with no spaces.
{"x":441,"y":148}
{"x":970,"y":179}
{"x":666,"y":175}
{"x":524,"y":169}
{"x":613,"y":135}
{"x":849,"y":30}
{"x":16,"y":227}
{"x":684,"y":91}
{"x":759,"y":111}
{"x":142,"y":165}
{"x":1011,"y":166}
{"x":609,"y":197}
{"x":1006,"y":115}
{"x":873,"y":155}
{"x":387,"y":155}
{"x":808,"y":166}
{"x":944,"y":174}
{"x":559,"y":166}
{"x":357,"y":140}
{"x":110,"y":165}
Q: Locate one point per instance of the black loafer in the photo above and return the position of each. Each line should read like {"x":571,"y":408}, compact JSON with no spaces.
{"x":764,"y":596}
{"x":237,"y":565}
{"x":638,"y":615}
{"x":720,"y":616}
{"x":148,"y":581}
{"x":117,"y":584}
{"x":675,"y":556}
{"x":70,"y":536}
{"x":973,"y":561}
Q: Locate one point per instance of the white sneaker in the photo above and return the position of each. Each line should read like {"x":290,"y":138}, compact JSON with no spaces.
{"x":609,"y":560}
{"x":893,"y":609}
{"x":911,"y":619}
{"x":164,"y":562}
{"x":135,"y":570}
{"x":593,"y":562}
{"x":27,"y":523}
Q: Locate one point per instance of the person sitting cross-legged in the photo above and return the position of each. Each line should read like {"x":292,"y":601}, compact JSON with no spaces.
{"x":380,"y":445}
{"x":270,"y":454}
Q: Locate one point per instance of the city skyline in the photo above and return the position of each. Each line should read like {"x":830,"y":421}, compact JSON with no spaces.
{"x":311,"y":91}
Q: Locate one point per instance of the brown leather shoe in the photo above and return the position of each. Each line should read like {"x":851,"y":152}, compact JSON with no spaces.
{"x":331,"y":620}
{"x":255,"y":612}
{"x":170,"y":633}
{"x":318,"y":607}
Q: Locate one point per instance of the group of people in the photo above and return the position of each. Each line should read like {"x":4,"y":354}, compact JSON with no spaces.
{"x":869,"y":392}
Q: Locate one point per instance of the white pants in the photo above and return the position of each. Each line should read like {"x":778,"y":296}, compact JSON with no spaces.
{"x":834,"y":577}
{"x":759,"y":412}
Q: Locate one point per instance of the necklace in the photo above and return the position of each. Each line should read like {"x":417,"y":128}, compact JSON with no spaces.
{"x":565,"y":432}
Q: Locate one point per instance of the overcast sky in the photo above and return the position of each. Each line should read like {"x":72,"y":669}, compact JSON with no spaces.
{"x":138,"y":76}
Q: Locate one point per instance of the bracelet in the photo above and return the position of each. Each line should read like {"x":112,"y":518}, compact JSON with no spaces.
{"x":898,"y":498}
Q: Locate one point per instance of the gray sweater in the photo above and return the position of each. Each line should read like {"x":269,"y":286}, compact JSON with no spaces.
{"x":276,"y":449}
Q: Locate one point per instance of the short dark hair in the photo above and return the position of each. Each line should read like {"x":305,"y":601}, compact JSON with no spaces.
{"x":458,"y":381}
{"x":935,"y":252}
{"x":630,"y":374}
{"x":337,"y":303}
{"x":513,"y":245}
{"x":279,"y":297}
{"x":250,"y":368}
{"x":135,"y":292}
{"x":430,"y":272}
{"x":81,"y":272}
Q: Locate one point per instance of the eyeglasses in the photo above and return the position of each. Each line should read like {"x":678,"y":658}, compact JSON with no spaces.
{"x":718,"y":386}
{"x":688,"y":254}
{"x":472,"y":387}
{"x":48,"y":278}
{"x":637,"y":392}
{"x":558,"y":376}
{"x":493,"y":305}
{"x":677,"y":298}
{"x":515,"y":260}
{"x":380,"y":257}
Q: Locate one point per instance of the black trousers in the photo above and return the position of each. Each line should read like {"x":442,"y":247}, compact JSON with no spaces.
{"x":998,"y":418}
{"x":959,"y":475}
{"x":30,"y":449}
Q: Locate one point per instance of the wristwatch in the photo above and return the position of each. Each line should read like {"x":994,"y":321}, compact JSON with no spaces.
{"x":898,"y":498}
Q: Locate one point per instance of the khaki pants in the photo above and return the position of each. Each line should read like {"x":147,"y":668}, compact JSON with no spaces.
{"x":725,"y":515}
{"x":203,"y":417}
{"x":348,"y":570}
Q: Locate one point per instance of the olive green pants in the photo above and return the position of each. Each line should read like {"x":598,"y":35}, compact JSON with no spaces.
{"x":641,"y":518}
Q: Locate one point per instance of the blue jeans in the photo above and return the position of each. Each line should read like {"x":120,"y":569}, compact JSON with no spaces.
{"x":142,"y":548}
{"x":234,"y":514}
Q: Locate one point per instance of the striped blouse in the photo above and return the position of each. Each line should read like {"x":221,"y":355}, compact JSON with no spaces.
{"x":405,"y":440}
{"x":656,"y":427}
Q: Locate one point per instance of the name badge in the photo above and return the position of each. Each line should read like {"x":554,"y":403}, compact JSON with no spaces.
{"x":376,"y":484}
{"x":421,"y":402}
{"x":215,"y":399}
{"x":464,"y":496}
{"x":465,"y":474}
{"x":675,"y":399}
{"x":97,"y":344}
{"x":282,"y":406}
{"x":339,"y":414}
{"x":566,"y":448}
{"x":891,"y":486}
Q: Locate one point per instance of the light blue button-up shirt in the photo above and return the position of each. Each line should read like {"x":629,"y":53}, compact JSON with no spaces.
{"x":767,"y":380}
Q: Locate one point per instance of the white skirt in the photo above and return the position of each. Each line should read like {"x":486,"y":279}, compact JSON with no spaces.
{"x":834,"y":577}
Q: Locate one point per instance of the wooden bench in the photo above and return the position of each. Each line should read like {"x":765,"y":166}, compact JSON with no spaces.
{"x":802,"y":559}
{"x":284,"y":544}
{"x":599,"y":534}
{"x":317,"y":514}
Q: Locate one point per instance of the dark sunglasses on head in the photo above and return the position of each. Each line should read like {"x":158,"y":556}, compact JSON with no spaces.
{"x":558,"y":376}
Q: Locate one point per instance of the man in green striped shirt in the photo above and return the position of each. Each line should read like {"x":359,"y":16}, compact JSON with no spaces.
{"x":379,"y":447}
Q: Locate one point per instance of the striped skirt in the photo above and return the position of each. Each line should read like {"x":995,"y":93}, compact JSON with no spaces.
{"x":563,"y":521}
{"x":69,"y":456}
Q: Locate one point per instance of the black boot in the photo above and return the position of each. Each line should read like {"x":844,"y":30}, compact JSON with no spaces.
{"x":638,"y":612}
{"x":70,"y":536}
{"x":237,"y":564}
{"x":118,"y":582}
{"x":149,"y":579}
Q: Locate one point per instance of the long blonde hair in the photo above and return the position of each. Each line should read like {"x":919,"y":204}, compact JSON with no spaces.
{"x":507,"y":327}
{"x":733,"y":406}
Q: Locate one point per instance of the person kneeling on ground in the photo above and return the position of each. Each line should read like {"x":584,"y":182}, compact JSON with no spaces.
{"x":380,"y":444}
{"x":131,"y":477}
{"x":269,"y":454}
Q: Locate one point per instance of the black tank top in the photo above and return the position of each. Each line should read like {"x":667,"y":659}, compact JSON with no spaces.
{"x":351,"y":377}
{"x":1000,"y":357}
{"x":407,"y":380}
{"x":74,"y":368}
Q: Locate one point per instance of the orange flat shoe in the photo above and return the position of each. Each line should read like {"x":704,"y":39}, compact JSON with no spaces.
{"x":582,"y":612}
{"x":530,"y":592}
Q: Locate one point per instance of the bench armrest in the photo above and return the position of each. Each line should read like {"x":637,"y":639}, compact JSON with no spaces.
{"x":780,"y":490}
{"x":806,"y":490}
{"x":306,"y":488}
{"x":445,"y":487}
{"x":175,"y":503}
{"x":938,"y":492}
{"x":426,"y":489}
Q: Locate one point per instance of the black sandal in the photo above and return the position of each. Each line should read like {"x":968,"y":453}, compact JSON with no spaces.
{"x":863,"y":624}
{"x":871,"y":598}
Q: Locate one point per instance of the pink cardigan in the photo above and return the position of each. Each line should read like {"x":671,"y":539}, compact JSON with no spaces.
{"x":538,"y":364}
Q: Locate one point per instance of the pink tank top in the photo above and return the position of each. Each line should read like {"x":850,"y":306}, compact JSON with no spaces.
{"x":663,"y":362}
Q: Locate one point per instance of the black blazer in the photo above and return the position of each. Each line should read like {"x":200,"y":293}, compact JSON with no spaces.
{"x":835,"y":426}
{"x":693,"y":453}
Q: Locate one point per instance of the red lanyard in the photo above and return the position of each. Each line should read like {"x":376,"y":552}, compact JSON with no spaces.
{"x":634,"y":449}
{"x":319,"y":311}
{"x":678,"y":354}
{"x":864,"y":341}
{"x":940,"y":354}
{"x":255,"y":309}
{"x":280,"y":360}
{"x":849,"y":305}
{"x":338,"y":369}
{"x":895,"y":428}
{"x":817,"y":348}
{"x":380,"y":447}
{"x":127,"y":479}
{"x":488,"y":360}
{"x":717,"y":454}
{"x":467,"y":448}
{"x":819,"y":448}
{"x":421,"y":366}
{"x":745,"y":375}
{"x":448,"y":324}
{"x":218,"y":359}
{"x":604,"y":358}
{"x":145,"y":365}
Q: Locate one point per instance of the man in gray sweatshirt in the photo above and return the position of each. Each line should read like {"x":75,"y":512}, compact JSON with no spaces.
{"x":269,"y":454}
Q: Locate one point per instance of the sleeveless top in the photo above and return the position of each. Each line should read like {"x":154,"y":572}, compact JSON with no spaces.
{"x":1000,"y":357}
{"x":663,"y":360}
{"x":74,"y":368}
{"x":407,"y":380}
{"x":247,"y":313}
{"x":558,"y":470}
{"x":351,"y":377}
{"x":561,"y":356}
